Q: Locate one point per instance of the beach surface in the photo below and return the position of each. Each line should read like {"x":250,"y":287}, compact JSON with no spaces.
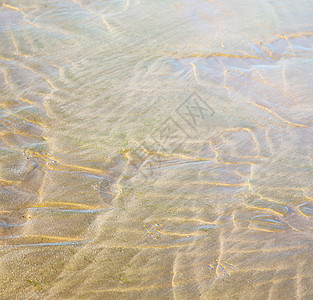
{"x":156,"y":149}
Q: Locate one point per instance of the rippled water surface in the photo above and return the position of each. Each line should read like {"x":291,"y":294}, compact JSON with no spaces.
{"x":156,"y":149}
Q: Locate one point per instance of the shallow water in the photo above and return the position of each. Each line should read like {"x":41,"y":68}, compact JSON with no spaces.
{"x":156,"y":150}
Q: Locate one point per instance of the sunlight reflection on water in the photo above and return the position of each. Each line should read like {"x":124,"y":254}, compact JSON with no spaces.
{"x":156,"y":150}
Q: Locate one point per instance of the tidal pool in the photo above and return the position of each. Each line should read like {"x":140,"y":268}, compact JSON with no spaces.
{"x":156,"y":149}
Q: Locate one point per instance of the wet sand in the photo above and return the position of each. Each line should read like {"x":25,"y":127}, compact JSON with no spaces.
{"x":156,"y":150}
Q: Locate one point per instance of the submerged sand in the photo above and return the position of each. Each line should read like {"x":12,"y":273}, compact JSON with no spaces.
{"x":156,"y":150}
